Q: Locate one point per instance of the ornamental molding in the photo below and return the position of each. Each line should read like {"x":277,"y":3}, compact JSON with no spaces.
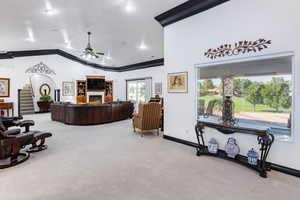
{"x":40,"y":68}
{"x":240,"y":47}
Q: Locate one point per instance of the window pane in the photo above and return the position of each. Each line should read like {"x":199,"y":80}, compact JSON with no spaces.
{"x":264,"y":100}
{"x":211,"y":98}
{"x":262,"y":94}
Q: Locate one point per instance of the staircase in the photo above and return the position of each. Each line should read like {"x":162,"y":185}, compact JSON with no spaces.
{"x":26,"y":101}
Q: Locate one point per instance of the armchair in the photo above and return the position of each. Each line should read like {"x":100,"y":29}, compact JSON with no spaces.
{"x":16,"y":121}
{"x":12,"y":142}
{"x":148,"y":118}
{"x":38,"y":136}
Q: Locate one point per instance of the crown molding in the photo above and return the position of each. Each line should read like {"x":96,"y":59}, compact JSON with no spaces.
{"x":142,"y":65}
{"x":42,"y":52}
{"x":185,"y":10}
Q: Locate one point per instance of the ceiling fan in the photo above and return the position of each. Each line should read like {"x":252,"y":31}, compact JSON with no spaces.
{"x":88,"y":52}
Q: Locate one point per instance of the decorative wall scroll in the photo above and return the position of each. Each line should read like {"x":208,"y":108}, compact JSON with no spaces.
{"x":240,"y":47}
{"x":40,"y":68}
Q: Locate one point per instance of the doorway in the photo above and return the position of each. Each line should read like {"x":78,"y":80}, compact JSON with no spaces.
{"x":138,"y":91}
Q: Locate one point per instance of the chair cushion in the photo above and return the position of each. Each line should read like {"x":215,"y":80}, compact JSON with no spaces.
{"x":41,"y":134}
{"x":14,"y":131}
{"x":26,"y":123}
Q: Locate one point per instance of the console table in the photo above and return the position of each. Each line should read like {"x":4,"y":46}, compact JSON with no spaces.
{"x":264,"y":139}
{"x":7,"y":106}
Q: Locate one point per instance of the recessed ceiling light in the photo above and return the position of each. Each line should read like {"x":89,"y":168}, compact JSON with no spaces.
{"x":108,"y":57}
{"x":130,"y":7}
{"x":50,"y":11}
{"x":66,"y":39}
{"x":143,"y":46}
{"x":69,"y":45}
{"x":30,"y":35}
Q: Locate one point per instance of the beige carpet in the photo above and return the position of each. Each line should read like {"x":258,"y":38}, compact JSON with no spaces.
{"x":109,"y":162}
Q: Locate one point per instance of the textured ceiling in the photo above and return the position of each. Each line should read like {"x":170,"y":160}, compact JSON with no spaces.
{"x":25,"y":26}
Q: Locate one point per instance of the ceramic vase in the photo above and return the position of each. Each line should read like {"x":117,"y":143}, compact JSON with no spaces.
{"x":252,"y":157}
{"x":231,"y":148}
{"x":213,"y":146}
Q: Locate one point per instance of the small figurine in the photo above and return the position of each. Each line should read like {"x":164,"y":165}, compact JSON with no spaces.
{"x":231,"y":148}
{"x":252,"y":157}
{"x":213,"y":146}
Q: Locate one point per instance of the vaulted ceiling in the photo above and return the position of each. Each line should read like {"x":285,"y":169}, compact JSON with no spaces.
{"x":125,"y":30}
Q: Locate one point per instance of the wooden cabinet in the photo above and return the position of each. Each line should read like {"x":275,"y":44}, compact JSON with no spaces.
{"x":108,"y":91}
{"x":81,"y":92}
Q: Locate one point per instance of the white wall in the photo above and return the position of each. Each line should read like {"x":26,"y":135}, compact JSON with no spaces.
{"x":65,"y":70}
{"x":187,"y":40}
{"x":157,"y":74}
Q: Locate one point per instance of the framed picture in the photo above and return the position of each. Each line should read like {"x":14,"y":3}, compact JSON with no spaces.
{"x":178,"y":82}
{"x":68,"y":89}
{"x":158,"y":88}
{"x":4,"y":87}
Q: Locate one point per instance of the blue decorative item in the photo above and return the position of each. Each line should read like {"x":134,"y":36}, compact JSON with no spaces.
{"x":252,"y":157}
{"x":213,"y":146}
{"x":231,"y":148}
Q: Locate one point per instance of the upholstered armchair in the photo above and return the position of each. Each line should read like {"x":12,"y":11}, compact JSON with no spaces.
{"x":148,"y":118}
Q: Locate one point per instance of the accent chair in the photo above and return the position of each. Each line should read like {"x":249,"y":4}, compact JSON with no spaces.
{"x":147,"y":118}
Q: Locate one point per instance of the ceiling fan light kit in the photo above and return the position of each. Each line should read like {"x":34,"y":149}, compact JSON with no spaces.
{"x":88,"y":52}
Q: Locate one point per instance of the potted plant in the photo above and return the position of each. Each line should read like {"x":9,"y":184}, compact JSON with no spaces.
{"x":44,"y":103}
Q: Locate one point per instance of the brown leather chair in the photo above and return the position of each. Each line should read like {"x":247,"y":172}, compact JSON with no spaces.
{"x":39,"y":137}
{"x":11,"y":143}
{"x":148,"y":118}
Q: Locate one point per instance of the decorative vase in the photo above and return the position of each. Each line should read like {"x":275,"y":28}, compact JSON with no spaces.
{"x":231,"y":148}
{"x":252,"y":157}
{"x":213,"y":146}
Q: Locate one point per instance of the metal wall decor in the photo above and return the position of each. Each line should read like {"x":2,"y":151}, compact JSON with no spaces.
{"x":240,"y":47}
{"x":40,"y":68}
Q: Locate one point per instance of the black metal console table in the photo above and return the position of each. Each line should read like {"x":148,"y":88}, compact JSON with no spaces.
{"x":264,"y":138}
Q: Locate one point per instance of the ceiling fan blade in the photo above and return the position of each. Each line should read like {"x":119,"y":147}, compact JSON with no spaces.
{"x":99,"y":53}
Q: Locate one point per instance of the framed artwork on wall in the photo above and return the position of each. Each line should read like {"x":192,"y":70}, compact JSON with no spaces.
{"x":4,"y":87}
{"x":68,"y":89}
{"x":178,"y":82}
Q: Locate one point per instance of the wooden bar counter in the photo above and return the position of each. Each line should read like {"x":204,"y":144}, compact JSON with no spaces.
{"x":90,"y":114}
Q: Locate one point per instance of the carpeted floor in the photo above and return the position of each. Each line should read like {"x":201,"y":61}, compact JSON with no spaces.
{"x":109,"y":162}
